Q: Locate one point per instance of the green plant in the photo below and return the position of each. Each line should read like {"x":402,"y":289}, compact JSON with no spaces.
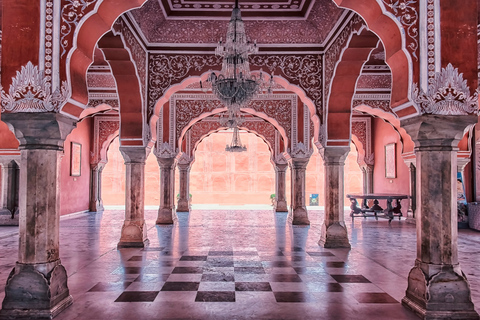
{"x":272,"y":196}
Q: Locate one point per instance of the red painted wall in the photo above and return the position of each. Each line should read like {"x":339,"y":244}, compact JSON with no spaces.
{"x":383,"y":134}
{"x":74,"y":191}
{"x":7,"y":138}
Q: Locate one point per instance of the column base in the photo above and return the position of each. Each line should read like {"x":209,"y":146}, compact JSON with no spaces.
{"x":281,"y":206}
{"x":439,"y":292}
{"x":183,"y":205}
{"x":30,"y":294}
{"x":410,"y":218}
{"x":299,"y":217}
{"x":96,"y":207}
{"x":6,"y":218}
{"x":166,"y":216}
{"x":134,"y":235}
{"x":334,"y":236}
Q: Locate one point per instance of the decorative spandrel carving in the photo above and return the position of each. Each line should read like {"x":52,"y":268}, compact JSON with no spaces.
{"x":448,"y":95}
{"x":31,"y":92}
{"x":304,"y":71}
{"x":166,"y":70}
{"x":72,"y":12}
{"x":406,"y":12}
{"x":92,"y":103}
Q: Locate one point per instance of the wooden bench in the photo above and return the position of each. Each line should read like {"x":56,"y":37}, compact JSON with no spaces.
{"x":376,"y":210}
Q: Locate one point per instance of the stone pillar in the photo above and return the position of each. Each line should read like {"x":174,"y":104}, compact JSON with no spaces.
{"x":298,"y":212}
{"x":9,"y":195}
{"x":96,"y":203}
{"x":166,"y":212}
{"x":134,"y":230}
{"x":367,"y":172}
{"x":184,"y":179}
{"x":37,"y":286}
{"x":280,"y":185}
{"x":413,"y":193}
{"x":437,"y":287}
{"x":334,"y":232}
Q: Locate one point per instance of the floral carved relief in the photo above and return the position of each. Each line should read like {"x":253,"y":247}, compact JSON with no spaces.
{"x":166,"y":70}
{"x":406,"y":11}
{"x":72,"y":12}
{"x":374,"y":103}
{"x":304,"y":71}
{"x":448,"y":95}
{"x":100,"y":80}
{"x":30,"y":91}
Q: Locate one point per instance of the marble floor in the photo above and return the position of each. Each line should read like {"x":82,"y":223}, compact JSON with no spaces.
{"x":238,"y":264}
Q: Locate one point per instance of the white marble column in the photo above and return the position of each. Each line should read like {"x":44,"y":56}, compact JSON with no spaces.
{"x":437,"y":287}
{"x":166,"y":212}
{"x":280,"y":185}
{"x":298,"y":213}
{"x":334,"y":232}
{"x":134,"y":230}
{"x":37,"y":286}
{"x":96,"y":203}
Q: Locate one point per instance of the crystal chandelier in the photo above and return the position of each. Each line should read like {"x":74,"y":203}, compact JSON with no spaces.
{"x":232,"y":121}
{"x":235,"y":86}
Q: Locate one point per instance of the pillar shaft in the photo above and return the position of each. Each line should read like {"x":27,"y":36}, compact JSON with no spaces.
{"x":37,"y":286}
{"x":367,"y":171}
{"x":437,"y":287}
{"x":9,"y":193}
{"x":280,"y":187}
{"x":134,"y":230}
{"x":166,"y":212}
{"x":298,"y":213}
{"x":96,"y":203}
{"x":334,"y":232}
{"x":184,"y":192}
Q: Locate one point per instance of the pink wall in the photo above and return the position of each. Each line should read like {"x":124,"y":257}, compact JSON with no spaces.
{"x":74,"y":191}
{"x":383,"y":134}
{"x":219,"y":177}
{"x":7,"y":138}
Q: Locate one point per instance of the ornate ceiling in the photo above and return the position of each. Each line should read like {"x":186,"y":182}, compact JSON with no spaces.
{"x":267,"y":22}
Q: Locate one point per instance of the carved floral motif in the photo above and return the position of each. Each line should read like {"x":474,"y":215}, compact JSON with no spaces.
{"x":448,"y":95}
{"x":31,"y":92}
{"x":374,"y":81}
{"x":72,"y":12}
{"x":100,"y":80}
{"x":374,"y":103}
{"x":406,"y":11}
{"x":165,"y":70}
{"x":92,"y":103}
{"x":306,"y":71}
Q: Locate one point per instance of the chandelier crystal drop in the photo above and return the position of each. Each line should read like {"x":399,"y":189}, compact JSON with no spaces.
{"x":233,"y":120}
{"x":235,"y":86}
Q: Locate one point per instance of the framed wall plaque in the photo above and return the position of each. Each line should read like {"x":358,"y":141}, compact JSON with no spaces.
{"x":76,"y":159}
{"x":390,"y":161}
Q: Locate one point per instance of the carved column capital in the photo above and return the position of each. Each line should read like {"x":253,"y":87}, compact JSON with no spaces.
{"x":137,"y":154}
{"x":334,"y":155}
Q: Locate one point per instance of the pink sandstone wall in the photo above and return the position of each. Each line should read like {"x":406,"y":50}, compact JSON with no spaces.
{"x":383,"y":134}
{"x":74,"y":191}
{"x":219,"y":177}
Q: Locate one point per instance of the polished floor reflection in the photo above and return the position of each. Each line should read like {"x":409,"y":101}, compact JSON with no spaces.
{"x":239,"y":264}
